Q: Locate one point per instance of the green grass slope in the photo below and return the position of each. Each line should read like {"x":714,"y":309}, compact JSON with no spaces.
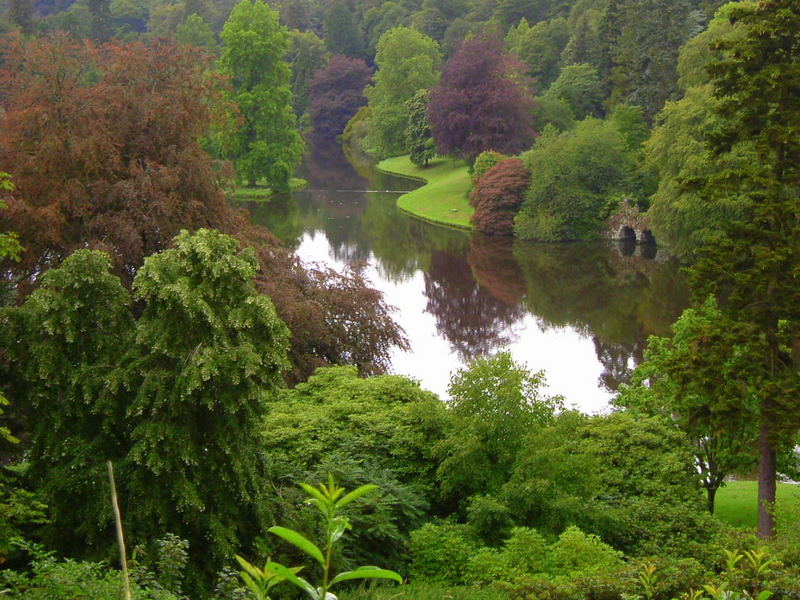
{"x":736,"y":503}
{"x":443,"y":199}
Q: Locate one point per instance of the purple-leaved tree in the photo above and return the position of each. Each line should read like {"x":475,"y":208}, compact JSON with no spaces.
{"x":336,"y":93}
{"x":482,"y":102}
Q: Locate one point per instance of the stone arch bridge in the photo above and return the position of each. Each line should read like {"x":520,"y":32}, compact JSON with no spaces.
{"x":629,"y":224}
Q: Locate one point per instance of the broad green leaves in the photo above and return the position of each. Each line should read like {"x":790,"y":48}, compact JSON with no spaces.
{"x":329,"y":499}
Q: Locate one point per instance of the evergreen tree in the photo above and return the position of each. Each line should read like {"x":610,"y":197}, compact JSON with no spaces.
{"x":755,"y":262}
{"x":64,"y":345}
{"x":642,"y":39}
{"x":266,"y":144}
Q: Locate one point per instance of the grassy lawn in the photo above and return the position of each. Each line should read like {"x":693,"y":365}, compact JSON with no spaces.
{"x":444,"y":197}
{"x":262,"y":193}
{"x":736,"y":503}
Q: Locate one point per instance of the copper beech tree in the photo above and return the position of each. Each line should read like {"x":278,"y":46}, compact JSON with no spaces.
{"x":103,"y":143}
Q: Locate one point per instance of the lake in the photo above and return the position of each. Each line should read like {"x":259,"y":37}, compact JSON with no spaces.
{"x":581,"y":312}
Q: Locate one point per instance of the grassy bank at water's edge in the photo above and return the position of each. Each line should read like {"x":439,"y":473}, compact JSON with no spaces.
{"x":736,"y":503}
{"x":443,"y":199}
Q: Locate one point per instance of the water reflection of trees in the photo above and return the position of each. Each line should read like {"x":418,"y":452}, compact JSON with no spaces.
{"x":618,"y":300}
{"x":474,"y":321}
{"x":493,"y":263}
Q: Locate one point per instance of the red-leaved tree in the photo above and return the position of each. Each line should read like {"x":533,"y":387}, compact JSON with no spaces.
{"x":103,"y":143}
{"x":336,"y":93}
{"x":482,"y":102}
{"x":498,"y":195}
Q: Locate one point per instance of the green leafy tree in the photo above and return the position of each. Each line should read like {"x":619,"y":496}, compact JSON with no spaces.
{"x":573,"y":178}
{"x":583,"y":46}
{"x":681,"y":216}
{"x":340,"y":32}
{"x":306,"y":56}
{"x":196,"y":32}
{"x":266,"y":144}
{"x":208,"y":352}
{"x":540,"y":47}
{"x":380,"y":428}
{"x":407,"y":61}
{"x":707,"y":379}
{"x":9,"y":243}
{"x":419,"y":141}
{"x":64,"y":345}
{"x":579,"y":86}
{"x":495,"y":402}
{"x":755,"y":262}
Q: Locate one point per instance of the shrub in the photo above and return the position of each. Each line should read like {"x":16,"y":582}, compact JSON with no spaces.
{"x":441,"y":553}
{"x":485,"y":161}
{"x":579,"y":551}
{"x":498,"y":195}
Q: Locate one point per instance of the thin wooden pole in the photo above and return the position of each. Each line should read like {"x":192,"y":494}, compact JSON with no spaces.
{"x":120,"y":538}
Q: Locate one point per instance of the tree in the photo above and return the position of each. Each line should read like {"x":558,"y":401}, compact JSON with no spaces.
{"x":336,"y":93}
{"x":498,"y":195}
{"x":755,"y":262}
{"x":340,"y":32}
{"x":100,"y":12}
{"x":306,"y":56}
{"x":126,"y":147}
{"x":207,"y":355}
{"x":407,"y":62}
{"x":176,"y":397}
{"x":418,"y":132}
{"x":356,"y":428}
{"x":495,"y":402}
{"x":706,"y":379}
{"x":574,"y":175}
{"x":539,"y":48}
{"x":481,"y":103}
{"x":64,"y":346}
{"x":641,"y":44}
{"x":677,"y":150}
{"x":579,"y":86}
{"x":266,"y":144}
{"x":196,"y":32}
{"x":9,"y":242}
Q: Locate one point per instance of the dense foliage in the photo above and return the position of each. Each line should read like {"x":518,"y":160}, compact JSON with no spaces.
{"x":170,"y":355}
{"x":125,"y":147}
{"x":171,"y":395}
{"x":264,"y":144}
{"x":481,"y":102}
{"x":407,"y":62}
{"x":498,"y":195}
{"x":336,"y":93}
{"x":574,"y":176}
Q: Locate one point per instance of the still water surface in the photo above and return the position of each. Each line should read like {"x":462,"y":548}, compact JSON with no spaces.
{"x":580,"y":312}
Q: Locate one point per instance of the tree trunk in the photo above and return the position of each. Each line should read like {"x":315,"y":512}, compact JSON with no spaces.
{"x":767,"y":473}
{"x":711,"y":493}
